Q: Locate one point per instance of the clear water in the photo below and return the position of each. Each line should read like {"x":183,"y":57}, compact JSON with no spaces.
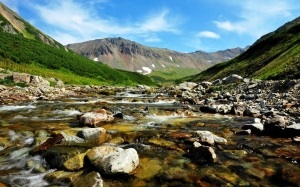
{"x":244,"y":161}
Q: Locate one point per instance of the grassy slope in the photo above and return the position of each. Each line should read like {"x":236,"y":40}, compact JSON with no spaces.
{"x":276,"y":56}
{"x":17,"y":52}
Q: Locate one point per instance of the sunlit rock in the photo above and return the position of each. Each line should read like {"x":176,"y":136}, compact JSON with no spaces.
{"x":113,"y":160}
{"x":209,"y":138}
{"x":94,"y":119}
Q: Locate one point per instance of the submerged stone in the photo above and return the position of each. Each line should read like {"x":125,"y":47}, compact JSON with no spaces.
{"x":149,"y":168}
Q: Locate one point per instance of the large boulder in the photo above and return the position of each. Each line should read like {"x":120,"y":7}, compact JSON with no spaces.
{"x":113,"y":160}
{"x":95,"y":118}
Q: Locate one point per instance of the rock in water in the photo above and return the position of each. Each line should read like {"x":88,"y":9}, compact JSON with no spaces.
{"x":93,"y":119}
{"x":91,"y":179}
{"x":209,"y":137}
{"x":113,"y":160}
{"x":95,"y":136}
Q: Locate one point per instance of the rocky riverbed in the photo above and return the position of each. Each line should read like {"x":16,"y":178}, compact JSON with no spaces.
{"x":230,"y":132}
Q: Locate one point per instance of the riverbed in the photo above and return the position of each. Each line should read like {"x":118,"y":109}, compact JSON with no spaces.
{"x":245,"y":160}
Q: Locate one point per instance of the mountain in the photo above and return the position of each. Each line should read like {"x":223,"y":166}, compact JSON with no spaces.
{"x":26,"y":49}
{"x":11,"y":22}
{"x":128,"y":55}
{"x":275,"y":55}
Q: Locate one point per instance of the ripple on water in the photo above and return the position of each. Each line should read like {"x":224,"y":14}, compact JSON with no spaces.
{"x":14,"y":108}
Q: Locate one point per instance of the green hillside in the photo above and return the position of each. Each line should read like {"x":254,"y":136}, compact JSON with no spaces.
{"x":274,"y":56}
{"x":32,"y":56}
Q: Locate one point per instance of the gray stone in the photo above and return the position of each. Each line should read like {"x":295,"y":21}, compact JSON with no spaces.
{"x":113,"y":160}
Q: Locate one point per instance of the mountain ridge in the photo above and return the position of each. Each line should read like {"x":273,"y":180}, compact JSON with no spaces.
{"x":129,"y":55}
{"x":11,"y":22}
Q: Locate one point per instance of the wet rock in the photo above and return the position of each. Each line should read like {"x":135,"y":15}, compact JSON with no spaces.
{"x":296,"y":139}
{"x":164,"y":143}
{"x":35,"y":166}
{"x":113,"y":160}
{"x":209,"y":137}
{"x":244,"y":132}
{"x":179,"y":135}
{"x":94,"y":136}
{"x":49,"y":143}
{"x":203,"y":153}
{"x":56,"y":156}
{"x":63,"y":176}
{"x":92,"y":179}
{"x":117,"y":140}
{"x":175,"y":174}
{"x":70,"y":140}
{"x":75,"y":163}
{"x":93,"y":119}
{"x":293,"y":130}
{"x":256,"y":127}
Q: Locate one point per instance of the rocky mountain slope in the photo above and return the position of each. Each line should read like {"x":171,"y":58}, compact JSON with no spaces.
{"x":11,"y":22}
{"x":128,"y":55}
{"x":274,"y":56}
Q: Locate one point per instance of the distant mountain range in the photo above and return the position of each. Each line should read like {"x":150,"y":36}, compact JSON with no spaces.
{"x":275,"y":55}
{"x":128,"y":55}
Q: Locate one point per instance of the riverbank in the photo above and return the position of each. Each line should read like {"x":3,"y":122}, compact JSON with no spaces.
{"x":233,"y":132}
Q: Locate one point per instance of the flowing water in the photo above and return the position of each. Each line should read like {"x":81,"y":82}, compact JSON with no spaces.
{"x":249,"y":160}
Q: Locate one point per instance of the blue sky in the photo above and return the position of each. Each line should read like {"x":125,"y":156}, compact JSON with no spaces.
{"x":181,"y":25}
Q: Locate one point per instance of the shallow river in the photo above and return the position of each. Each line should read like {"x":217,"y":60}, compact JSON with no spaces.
{"x":246,"y":160}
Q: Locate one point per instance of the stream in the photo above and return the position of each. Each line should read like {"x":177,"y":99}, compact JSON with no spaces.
{"x":246,"y":160}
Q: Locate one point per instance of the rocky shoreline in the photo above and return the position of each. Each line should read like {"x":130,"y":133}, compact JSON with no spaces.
{"x":271,"y":106}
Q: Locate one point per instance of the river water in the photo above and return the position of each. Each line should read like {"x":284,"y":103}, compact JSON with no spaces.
{"x":246,"y":160}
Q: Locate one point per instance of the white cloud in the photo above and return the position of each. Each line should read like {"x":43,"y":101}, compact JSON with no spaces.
{"x":82,"y":23}
{"x":208,"y":34}
{"x":256,"y":17}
